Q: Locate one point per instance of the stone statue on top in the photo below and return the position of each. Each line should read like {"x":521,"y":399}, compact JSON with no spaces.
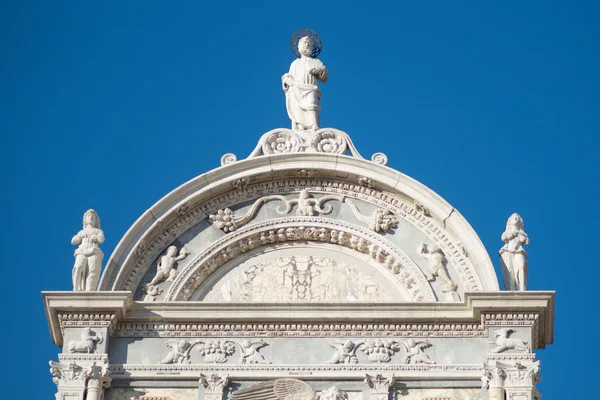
{"x":302,"y":94}
{"x":88,"y":256}
{"x":513,"y":257}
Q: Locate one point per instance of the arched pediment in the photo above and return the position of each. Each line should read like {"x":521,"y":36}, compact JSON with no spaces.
{"x":390,"y":214}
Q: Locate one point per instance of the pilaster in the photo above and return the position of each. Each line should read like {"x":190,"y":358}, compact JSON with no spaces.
{"x":213,"y":386}
{"x":512,"y":380}
{"x":379,"y":386}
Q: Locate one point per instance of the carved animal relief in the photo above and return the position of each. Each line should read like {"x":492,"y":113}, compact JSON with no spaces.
{"x":87,"y":344}
{"x":505,"y":342}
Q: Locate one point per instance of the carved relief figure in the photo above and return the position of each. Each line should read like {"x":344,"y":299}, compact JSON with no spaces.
{"x":437,"y":265}
{"x":513,"y":256}
{"x":87,"y":343}
{"x":345,"y":354}
{"x":166,"y":264}
{"x":250,"y":352}
{"x":180,"y":353}
{"x":302,"y":94}
{"x":88,"y":256}
{"x":505,"y":342}
{"x":415,"y":353}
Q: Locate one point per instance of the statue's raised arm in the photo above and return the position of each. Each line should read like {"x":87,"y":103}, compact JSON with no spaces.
{"x":300,"y":84}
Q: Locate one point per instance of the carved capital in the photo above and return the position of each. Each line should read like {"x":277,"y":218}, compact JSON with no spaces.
{"x":493,"y":377}
{"x":98,"y":377}
{"x":67,"y":374}
{"x":523,"y":375}
{"x":379,"y":386}
{"x":213,"y":386}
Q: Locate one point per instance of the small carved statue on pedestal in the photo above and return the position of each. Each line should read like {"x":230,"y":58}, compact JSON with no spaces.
{"x":302,"y":94}
{"x":88,"y":256}
{"x":513,"y":256}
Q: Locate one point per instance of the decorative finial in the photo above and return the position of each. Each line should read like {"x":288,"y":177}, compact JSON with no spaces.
{"x":513,"y":257}
{"x":302,"y":94}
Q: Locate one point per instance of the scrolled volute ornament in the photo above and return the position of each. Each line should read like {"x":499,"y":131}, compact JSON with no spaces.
{"x":379,"y":158}
{"x":228,"y":159}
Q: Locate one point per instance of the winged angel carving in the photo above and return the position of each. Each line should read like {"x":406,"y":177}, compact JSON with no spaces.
{"x":346,"y":352}
{"x":250,"y":352}
{"x":287,"y":389}
{"x":415,"y":353}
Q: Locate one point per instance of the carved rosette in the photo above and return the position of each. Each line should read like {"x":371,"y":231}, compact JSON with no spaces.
{"x":331,"y":142}
{"x":281,"y":142}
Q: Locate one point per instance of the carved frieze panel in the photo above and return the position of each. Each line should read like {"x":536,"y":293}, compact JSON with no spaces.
{"x":142,"y":393}
{"x":293,"y":229}
{"x":394,"y":205}
{"x":183,"y":329}
{"x":440,"y":394}
{"x":298,"y":279}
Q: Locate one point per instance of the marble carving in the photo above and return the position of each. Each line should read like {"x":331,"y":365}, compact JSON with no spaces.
{"x":180,"y":352}
{"x":437,"y":265}
{"x":87,"y":344}
{"x":88,"y":256}
{"x":250,"y":352}
{"x":415,"y":353}
{"x":381,"y":221}
{"x":505,"y":342}
{"x":287,"y":389}
{"x":345,"y":352}
{"x":300,"y":84}
{"x":217,"y":351}
{"x":299,"y":279}
{"x":513,"y":256}
{"x":165,"y":267}
{"x":380,"y":350}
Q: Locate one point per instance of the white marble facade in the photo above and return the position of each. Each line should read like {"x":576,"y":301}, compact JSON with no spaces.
{"x":305,"y":268}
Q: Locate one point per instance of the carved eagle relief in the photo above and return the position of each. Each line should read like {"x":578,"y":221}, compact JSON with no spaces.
{"x":280,"y":389}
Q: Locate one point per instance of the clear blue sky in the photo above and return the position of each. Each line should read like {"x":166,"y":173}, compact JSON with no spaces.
{"x":111,"y":104}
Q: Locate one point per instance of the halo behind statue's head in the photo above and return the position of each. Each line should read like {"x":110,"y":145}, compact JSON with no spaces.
{"x":313,"y":36}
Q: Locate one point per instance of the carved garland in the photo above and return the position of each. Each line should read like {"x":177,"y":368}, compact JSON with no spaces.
{"x":288,"y":229}
{"x":157,"y":238}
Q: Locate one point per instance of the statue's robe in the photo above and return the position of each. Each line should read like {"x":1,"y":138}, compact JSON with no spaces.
{"x":302,"y":94}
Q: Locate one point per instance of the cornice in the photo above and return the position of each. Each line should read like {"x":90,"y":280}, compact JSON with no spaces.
{"x":91,"y":307}
{"x":478,"y":310}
